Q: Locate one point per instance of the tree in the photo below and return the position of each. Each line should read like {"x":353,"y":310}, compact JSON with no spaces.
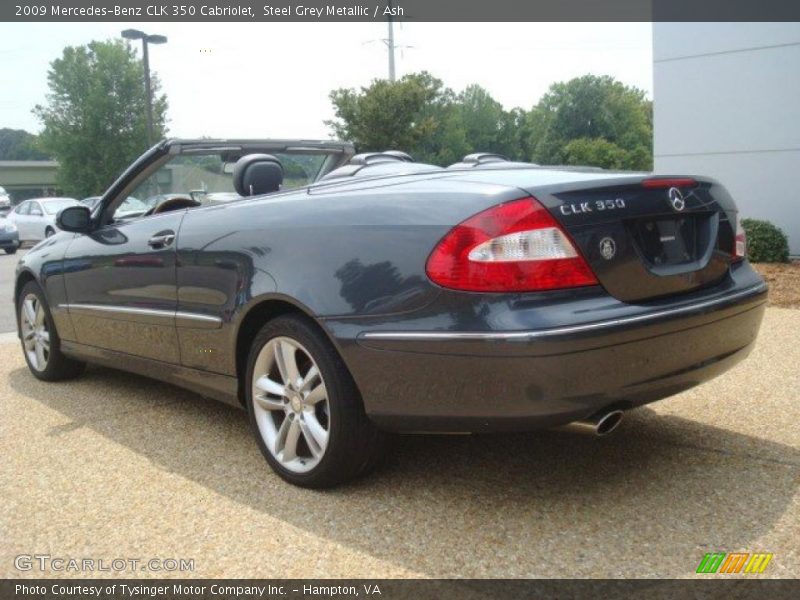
{"x":487,"y":126}
{"x":414,"y":114}
{"x":520,"y":134}
{"x":596,"y":152}
{"x":94,"y":122}
{"x":18,"y":144}
{"x":592,"y":108}
{"x":419,"y":115}
{"x":590,"y":120}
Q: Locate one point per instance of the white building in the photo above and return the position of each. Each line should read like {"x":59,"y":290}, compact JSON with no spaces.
{"x":727,"y":104}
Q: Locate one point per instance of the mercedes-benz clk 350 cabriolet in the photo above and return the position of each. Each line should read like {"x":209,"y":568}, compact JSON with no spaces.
{"x":338,"y":297}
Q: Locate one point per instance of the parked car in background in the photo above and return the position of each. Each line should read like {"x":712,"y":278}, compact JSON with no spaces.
{"x":36,"y":218}
{"x":5,"y":199}
{"x":9,"y":238}
{"x":370,"y":293}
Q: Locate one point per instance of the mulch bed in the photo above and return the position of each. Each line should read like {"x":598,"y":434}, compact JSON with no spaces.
{"x":784,"y":283}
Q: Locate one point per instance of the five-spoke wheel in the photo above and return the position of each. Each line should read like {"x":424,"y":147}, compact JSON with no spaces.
{"x":40,"y":342}
{"x":291,"y":404}
{"x":35,"y":334}
{"x":305,"y":408}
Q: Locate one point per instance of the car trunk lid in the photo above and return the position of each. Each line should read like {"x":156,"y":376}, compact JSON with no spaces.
{"x":649,"y":238}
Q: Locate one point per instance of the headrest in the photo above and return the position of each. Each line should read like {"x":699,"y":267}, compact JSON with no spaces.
{"x":256,"y":174}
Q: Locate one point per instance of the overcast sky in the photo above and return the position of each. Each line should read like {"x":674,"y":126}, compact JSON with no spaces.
{"x":273,"y":79}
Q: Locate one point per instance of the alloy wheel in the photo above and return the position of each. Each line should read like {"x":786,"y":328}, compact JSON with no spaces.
{"x":291,"y":406}
{"x":35,"y":335}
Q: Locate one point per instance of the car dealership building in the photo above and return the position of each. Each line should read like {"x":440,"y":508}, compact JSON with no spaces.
{"x":727,"y":105}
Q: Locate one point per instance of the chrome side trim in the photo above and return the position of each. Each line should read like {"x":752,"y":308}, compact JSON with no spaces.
{"x":189,"y":316}
{"x":180,"y":318}
{"x":150,"y":312}
{"x":557,"y":331}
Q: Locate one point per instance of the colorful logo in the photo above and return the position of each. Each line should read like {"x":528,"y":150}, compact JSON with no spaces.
{"x":734,"y":562}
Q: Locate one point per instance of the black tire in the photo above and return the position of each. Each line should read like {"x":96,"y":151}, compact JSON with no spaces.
{"x":58,"y":366}
{"x":11,"y":250}
{"x":354,"y":444}
{"x":49,"y":232}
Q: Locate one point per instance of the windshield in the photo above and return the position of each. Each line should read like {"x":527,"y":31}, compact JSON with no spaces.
{"x":51,"y":207}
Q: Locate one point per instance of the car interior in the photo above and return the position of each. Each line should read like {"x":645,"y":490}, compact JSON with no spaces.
{"x":190,"y":181}
{"x":257,"y":174}
{"x":193,"y":180}
{"x":253,"y":175}
{"x":228,"y":176}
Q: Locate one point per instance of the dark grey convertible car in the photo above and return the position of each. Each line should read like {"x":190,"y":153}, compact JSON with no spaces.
{"x":339,"y":297}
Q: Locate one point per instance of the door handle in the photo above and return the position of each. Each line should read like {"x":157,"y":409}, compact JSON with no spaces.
{"x":161,"y":239}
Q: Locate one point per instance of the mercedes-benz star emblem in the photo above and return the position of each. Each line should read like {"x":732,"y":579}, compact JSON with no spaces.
{"x":608,"y":248}
{"x":676,"y":199}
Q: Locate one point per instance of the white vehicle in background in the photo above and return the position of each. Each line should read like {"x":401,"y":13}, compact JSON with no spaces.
{"x":36,"y":218}
{"x":5,"y":199}
{"x":9,"y":239}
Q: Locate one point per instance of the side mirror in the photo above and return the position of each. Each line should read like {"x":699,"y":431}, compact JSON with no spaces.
{"x":76,"y":219}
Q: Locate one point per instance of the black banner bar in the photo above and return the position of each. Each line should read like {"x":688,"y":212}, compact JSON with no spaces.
{"x":401,"y":10}
{"x":393,"y":589}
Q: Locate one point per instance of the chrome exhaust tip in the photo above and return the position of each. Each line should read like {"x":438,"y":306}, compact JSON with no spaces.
{"x":599,"y":424}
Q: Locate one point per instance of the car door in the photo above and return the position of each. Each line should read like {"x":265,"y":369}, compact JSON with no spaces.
{"x":20,"y":218}
{"x":35,"y":221}
{"x":121,"y":278}
{"x":120,"y":287}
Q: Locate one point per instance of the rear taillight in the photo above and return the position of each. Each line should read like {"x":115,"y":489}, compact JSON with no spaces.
{"x":512,"y":247}
{"x":740,"y":245}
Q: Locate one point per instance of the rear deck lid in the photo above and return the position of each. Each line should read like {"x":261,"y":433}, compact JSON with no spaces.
{"x":651,"y":237}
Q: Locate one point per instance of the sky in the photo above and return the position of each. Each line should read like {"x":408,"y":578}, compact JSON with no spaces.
{"x":257,"y":80}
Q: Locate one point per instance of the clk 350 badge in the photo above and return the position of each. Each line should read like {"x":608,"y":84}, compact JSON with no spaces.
{"x":578,"y":208}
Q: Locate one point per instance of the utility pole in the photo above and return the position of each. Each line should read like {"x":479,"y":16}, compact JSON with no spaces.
{"x":389,"y":41}
{"x":147,"y":91}
{"x":135,"y":34}
{"x":390,"y":44}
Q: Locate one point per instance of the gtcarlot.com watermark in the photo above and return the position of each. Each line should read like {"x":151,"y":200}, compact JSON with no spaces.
{"x":46,"y":563}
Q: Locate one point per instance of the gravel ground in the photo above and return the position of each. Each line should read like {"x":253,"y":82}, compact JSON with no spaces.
{"x":115,"y":465}
{"x":784,"y":282}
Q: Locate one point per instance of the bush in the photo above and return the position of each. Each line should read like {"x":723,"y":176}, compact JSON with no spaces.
{"x":765,"y":242}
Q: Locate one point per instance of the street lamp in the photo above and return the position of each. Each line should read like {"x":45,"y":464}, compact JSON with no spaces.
{"x":135,"y":34}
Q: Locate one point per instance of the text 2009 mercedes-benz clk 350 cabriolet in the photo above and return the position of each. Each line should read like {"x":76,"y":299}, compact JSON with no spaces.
{"x":338,"y":297}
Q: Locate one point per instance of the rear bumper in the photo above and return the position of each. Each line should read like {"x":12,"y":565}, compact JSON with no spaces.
{"x":544,"y":376}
